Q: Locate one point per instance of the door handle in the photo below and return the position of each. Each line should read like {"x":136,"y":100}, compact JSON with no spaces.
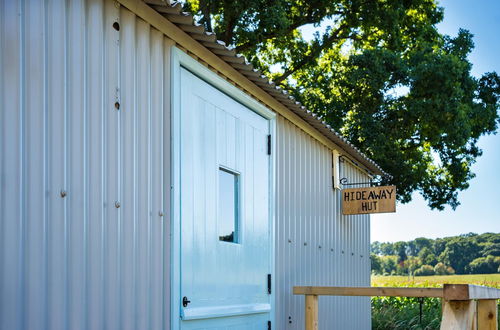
{"x":185,"y":301}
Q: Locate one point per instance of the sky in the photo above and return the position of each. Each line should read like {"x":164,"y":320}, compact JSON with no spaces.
{"x":479,"y":211}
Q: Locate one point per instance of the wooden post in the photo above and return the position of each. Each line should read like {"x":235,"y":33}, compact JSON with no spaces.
{"x":487,"y":314}
{"x":459,"y":315}
{"x":311,"y":312}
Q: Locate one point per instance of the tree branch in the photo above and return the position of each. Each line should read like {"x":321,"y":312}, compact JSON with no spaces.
{"x":206,"y":19}
{"x":335,"y":36}
{"x":270,"y":35}
{"x":328,"y":43}
{"x":263,"y":37}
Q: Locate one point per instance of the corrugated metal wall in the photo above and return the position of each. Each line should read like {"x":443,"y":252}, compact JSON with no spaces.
{"x":83,"y":244}
{"x":315,"y":244}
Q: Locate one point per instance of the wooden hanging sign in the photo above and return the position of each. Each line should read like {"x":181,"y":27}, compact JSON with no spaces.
{"x":369,"y":200}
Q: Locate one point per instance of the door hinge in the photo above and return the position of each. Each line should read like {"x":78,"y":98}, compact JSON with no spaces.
{"x":269,"y":144}
{"x":269,"y":283}
{"x":268,"y":325}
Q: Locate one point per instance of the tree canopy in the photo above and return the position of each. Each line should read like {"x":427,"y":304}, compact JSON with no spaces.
{"x":465,"y":254}
{"x":380,"y":73}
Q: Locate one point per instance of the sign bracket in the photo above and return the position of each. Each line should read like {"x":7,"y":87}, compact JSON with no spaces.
{"x":371,"y":183}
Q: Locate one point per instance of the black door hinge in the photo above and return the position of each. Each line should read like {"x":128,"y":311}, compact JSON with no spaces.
{"x":268,"y":325}
{"x":269,"y":283}
{"x":269,"y":144}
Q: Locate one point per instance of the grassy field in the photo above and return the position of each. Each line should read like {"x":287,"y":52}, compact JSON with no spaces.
{"x":433,"y":281}
{"x":406,"y":313}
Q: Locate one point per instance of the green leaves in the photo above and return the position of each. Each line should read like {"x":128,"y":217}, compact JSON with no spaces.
{"x":466,"y":254}
{"x":378,"y":72}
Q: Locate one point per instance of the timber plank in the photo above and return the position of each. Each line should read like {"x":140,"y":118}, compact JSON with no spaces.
{"x":459,"y":315}
{"x":468,"y":291}
{"x":368,"y":291}
{"x":311,"y":312}
{"x":487,"y":314}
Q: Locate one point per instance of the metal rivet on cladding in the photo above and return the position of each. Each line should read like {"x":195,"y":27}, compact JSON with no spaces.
{"x":289,"y":241}
{"x":352,"y":253}
{"x":305,"y":243}
{"x":116,"y":26}
{"x":331,"y":250}
{"x":319,"y":246}
{"x":342,"y":251}
{"x":160,"y":213}
{"x":63,"y":193}
{"x":117,"y":105}
{"x":117,"y":204}
{"x":361,"y":256}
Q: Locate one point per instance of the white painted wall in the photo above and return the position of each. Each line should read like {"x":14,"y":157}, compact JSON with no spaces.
{"x":78,"y":261}
{"x":315,"y":244}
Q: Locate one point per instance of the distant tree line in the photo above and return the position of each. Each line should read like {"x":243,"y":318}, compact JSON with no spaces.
{"x":465,"y":254}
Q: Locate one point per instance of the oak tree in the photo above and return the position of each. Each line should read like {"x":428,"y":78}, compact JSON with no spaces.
{"x":380,"y":73}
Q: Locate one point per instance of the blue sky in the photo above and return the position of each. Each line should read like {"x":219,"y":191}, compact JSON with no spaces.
{"x":479,"y":211}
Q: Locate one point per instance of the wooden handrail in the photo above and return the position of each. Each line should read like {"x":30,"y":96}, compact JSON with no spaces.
{"x":460,"y":308}
{"x":368,"y":291}
{"x":469,"y":292}
{"x":448,"y":291}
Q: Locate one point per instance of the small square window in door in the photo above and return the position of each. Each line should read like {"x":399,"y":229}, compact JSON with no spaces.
{"x":228,"y":213}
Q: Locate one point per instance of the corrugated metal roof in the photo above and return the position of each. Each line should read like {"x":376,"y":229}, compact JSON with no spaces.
{"x":186,"y":22}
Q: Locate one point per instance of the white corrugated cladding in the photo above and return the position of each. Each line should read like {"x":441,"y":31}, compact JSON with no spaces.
{"x":83,"y":243}
{"x":315,"y":244}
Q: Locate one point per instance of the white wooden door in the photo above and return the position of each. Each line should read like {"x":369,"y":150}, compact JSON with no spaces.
{"x":225,"y":227}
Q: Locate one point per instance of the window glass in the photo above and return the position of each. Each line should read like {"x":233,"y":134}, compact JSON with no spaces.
{"x":228,"y":206}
